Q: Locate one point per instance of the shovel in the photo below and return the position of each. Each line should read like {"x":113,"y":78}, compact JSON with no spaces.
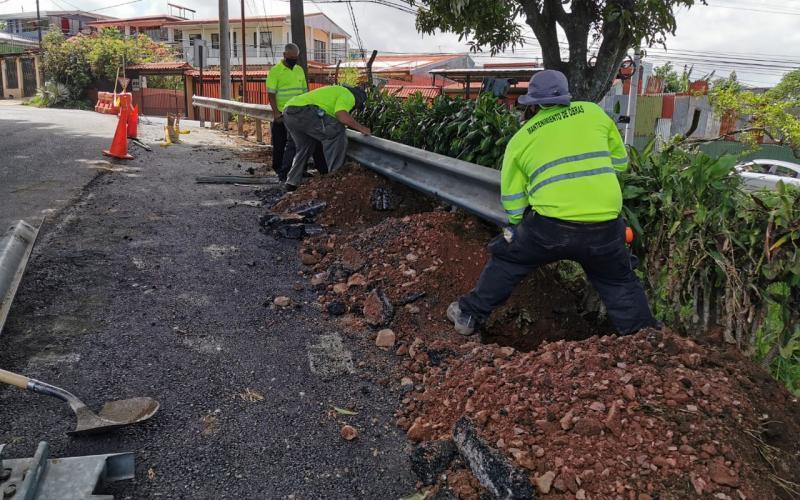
{"x":114,"y":414}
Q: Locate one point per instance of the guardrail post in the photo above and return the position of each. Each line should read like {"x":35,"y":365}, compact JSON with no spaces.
{"x":259,"y":133}
{"x":240,"y":123}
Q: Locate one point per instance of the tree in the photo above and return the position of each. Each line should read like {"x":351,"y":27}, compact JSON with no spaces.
{"x":83,"y":60}
{"x":788,"y":89}
{"x":616,"y":25}
{"x":673,"y":82}
{"x":766,"y":114}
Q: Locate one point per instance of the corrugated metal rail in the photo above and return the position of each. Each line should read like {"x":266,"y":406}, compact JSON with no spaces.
{"x":468,"y":186}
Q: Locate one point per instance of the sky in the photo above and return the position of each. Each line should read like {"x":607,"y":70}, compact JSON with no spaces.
{"x":758,"y":39}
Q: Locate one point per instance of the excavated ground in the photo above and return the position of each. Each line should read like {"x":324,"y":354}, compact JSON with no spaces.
{"x":586,"y":414}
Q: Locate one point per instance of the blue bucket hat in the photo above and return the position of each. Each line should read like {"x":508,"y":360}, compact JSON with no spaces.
{"x":547,"y":87}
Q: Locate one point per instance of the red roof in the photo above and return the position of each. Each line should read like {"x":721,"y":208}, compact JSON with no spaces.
{"x":404,"y":91}
{"x":260,"y":19}
{"x":162,"y":66}
{"x":213,"y":74}
{"x":144,"y":21}
{"x":529,"y":64}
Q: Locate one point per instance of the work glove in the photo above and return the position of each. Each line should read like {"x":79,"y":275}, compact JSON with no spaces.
{"x":509,"y":233}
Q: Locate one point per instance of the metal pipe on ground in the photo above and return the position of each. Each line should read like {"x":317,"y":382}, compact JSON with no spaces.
{"x":15,"y":250}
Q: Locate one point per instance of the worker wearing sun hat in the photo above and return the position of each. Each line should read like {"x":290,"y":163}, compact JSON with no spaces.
{"x":560,"y":192}
{"x":320,"y":116}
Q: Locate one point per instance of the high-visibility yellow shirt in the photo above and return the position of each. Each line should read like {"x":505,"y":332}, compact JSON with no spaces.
{"x":286,"y":83}
{"x":563,"y":163}
{"x":330,"y":99}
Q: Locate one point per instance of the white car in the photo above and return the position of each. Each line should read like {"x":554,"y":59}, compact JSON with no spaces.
{"x":760,"y":174}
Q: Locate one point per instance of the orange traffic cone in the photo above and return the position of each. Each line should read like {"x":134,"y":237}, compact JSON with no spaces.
{"x":119,"y":145}
{"x":133,"y":122}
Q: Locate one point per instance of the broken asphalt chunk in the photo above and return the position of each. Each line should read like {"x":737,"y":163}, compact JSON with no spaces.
{"x":494,"y":471}
{"x":432,"y":458}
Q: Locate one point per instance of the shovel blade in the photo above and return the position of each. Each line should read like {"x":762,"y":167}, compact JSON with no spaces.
{"x":115,"y":414}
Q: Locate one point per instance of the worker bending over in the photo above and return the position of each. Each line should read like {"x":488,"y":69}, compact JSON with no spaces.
{"x":563,"y":200}
{"x":317,"y":117}
{"x":284,"y":81}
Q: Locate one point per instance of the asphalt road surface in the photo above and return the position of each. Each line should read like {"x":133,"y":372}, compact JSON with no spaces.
{"x":144,"y":283}
{"x":46,"y":157}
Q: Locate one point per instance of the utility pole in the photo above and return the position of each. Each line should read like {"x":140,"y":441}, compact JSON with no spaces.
{"x":633,"y":97}
{"x":298,"y":20}
{"x":244,"y":59}
{"x":224,"y":58}
{"x":39,"y":24}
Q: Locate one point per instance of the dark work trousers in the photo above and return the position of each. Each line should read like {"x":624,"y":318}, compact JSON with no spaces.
{"x":598,"y":247}
{"x":310,"y":126}
{"x":283,"y":151}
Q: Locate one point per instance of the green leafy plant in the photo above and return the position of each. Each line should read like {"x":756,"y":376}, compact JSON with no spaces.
{"x":51,"y":94}
{"x":474,"y":131}
{"x":85,"y":60}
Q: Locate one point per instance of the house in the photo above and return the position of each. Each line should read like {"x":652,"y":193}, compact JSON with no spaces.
{"x":404,"y":69}
{"x":152,"y":26}
{"x":263,"y":40}
{"x":71,"y":22}
{"x":13,"y":44}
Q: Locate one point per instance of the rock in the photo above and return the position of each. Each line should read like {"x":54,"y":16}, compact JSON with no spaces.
{"x":282,"y":301}
{"x":545,"y":482}
{"x":496,"y":473}
{"x":319,"y":279}
{"x":351,"y":259}
{"x":412,"y":257}
{"x":580,"y":495}
{"x":588,"y":426}
{"x":336,"y":308}
{"x":356,"y":280}
{"x":597,"y":406}
{"x":566,"y":421}
{"x":378,"y":310}
{"x":385,"y":339}
{"x":721,"y":474}
{"x":506,"y":352}
{"x":382,"y":199}
{"x":429,"y":460}
{"x":547,"y":358}
{"x":340,"y":288}
{"x":420,"y":431}
{"x":629,"y":391}
{"x":309,"y":259}
{"x":348,"y":433}
{"x":412,"y":309}
{"x":406,"y":381}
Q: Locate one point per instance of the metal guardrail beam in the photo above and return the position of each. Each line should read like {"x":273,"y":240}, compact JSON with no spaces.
{"x":15,"y":249}
{"x":471,"y":187}
{"x":258,"y":111}
{"x":468,"y":186}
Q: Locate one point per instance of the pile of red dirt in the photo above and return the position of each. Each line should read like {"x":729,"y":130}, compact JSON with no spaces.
{"x":653,"y":415}
{"x":348,"y":194}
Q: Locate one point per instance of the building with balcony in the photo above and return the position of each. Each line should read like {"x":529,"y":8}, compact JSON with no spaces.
{"x":24,"y":24}
{"x":263,"y":39}
{"x":152,"y":26}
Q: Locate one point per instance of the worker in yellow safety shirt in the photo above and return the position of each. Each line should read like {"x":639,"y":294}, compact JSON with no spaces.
{"x":320,"y":117}
{"x":285,"y":80}
{"x":560,"y":192}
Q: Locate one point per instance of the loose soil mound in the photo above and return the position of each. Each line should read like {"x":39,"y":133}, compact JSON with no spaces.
{"x":654,"y":415}
{"x":348,"y":194}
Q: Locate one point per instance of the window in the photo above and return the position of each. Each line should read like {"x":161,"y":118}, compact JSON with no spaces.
{"x":177,"y":35}
{"x":192,"y":38}
{"x":215,"y":41}
{"x":11,"y":74}
{"x":262,"y":39}
{"x":320,"y":51}
{"x":235,"y":50}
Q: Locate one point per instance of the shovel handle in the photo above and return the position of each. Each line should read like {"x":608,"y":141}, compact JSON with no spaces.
{"x":14,"y":379}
